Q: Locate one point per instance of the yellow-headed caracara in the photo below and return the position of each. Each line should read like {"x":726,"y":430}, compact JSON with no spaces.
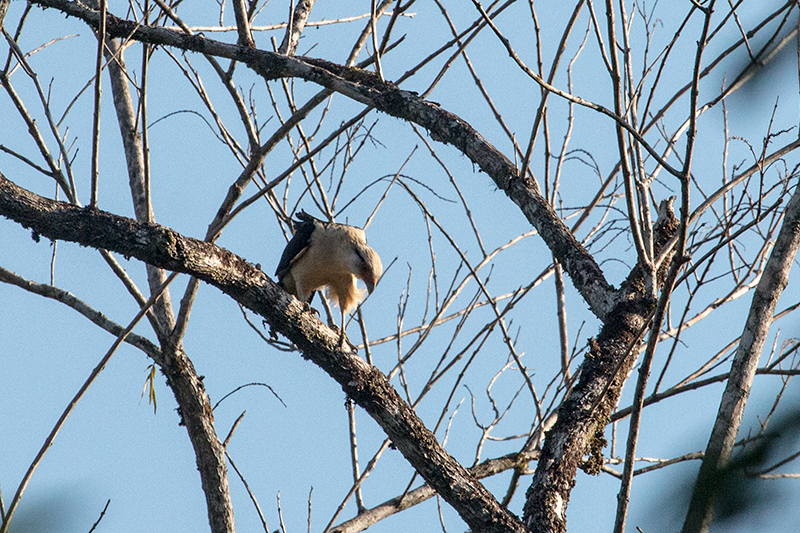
{"x":331,"y":256}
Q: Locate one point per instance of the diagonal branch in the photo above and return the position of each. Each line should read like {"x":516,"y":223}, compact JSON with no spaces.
{"x":362,"y":382}
{"x":585,"y":411}
{"x":6,"y":519}
{"x":70,"y":300}
{"x":743,"y":370}
{"x":487,"y":468}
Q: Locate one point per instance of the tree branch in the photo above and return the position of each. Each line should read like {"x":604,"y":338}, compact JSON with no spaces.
{"x":487,"y":468}
{"x":586,"y":410}
{"x":297,"y":23}
{"x":743,"y":369}
{"x":70,"y":300}
{"x":443,"y":126}
{"x":365,"y":384}
{"x":243,"y":24}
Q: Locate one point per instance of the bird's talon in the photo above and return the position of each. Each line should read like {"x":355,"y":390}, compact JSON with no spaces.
{"x":343,"y":338}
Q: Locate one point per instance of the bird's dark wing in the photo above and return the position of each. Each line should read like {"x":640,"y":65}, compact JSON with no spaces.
{"x":303,"y":228}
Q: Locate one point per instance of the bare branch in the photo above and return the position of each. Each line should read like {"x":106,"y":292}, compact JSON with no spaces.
{"x":71,"y":406}
{"x":298,"y":18}
{"x":731,"y":409}
{"x":443,"y":126}
{"x":243,"y":24}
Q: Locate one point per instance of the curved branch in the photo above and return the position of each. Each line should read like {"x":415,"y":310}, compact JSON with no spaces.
{"x":443,"y":126}
{"x":70,"y":300}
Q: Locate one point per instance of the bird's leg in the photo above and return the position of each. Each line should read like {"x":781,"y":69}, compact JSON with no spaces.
{"x":307,"y":304}
{"x":343,"y":337}
{"x":342,"y":334}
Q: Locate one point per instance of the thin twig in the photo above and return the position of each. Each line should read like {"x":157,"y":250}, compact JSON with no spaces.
{"x":74,"y":402}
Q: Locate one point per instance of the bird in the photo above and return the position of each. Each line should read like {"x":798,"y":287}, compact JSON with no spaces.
{"x":330,"y":256}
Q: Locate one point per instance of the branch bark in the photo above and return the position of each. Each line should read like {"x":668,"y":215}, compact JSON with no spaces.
{"x":297,"y":23}
{"x":585,"y":412}
{"x":243,"y":24}
{"x":365,"y":384}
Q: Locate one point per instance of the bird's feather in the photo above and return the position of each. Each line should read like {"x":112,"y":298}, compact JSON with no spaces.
{"x":299,"y":243}
{"x":326,"y":255}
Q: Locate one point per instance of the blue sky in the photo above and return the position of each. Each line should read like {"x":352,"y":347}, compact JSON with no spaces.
{"x":115,"y":447}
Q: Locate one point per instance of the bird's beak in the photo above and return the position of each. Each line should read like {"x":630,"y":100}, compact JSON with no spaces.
{"x":370,"y":285}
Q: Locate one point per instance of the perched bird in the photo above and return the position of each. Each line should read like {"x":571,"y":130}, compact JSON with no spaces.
{"x":331,"y":256}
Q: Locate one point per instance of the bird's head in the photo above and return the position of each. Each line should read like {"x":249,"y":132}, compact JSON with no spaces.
{"x":368,"y":267}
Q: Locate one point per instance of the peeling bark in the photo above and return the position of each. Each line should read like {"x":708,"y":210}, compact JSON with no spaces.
{"x":584,"y":414}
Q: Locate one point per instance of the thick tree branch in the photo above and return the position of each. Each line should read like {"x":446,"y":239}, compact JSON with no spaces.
{"x":585,"y":412}
{"x":365,"y":384}
{"x":198,"y":417}
{"x":443,"y":126}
